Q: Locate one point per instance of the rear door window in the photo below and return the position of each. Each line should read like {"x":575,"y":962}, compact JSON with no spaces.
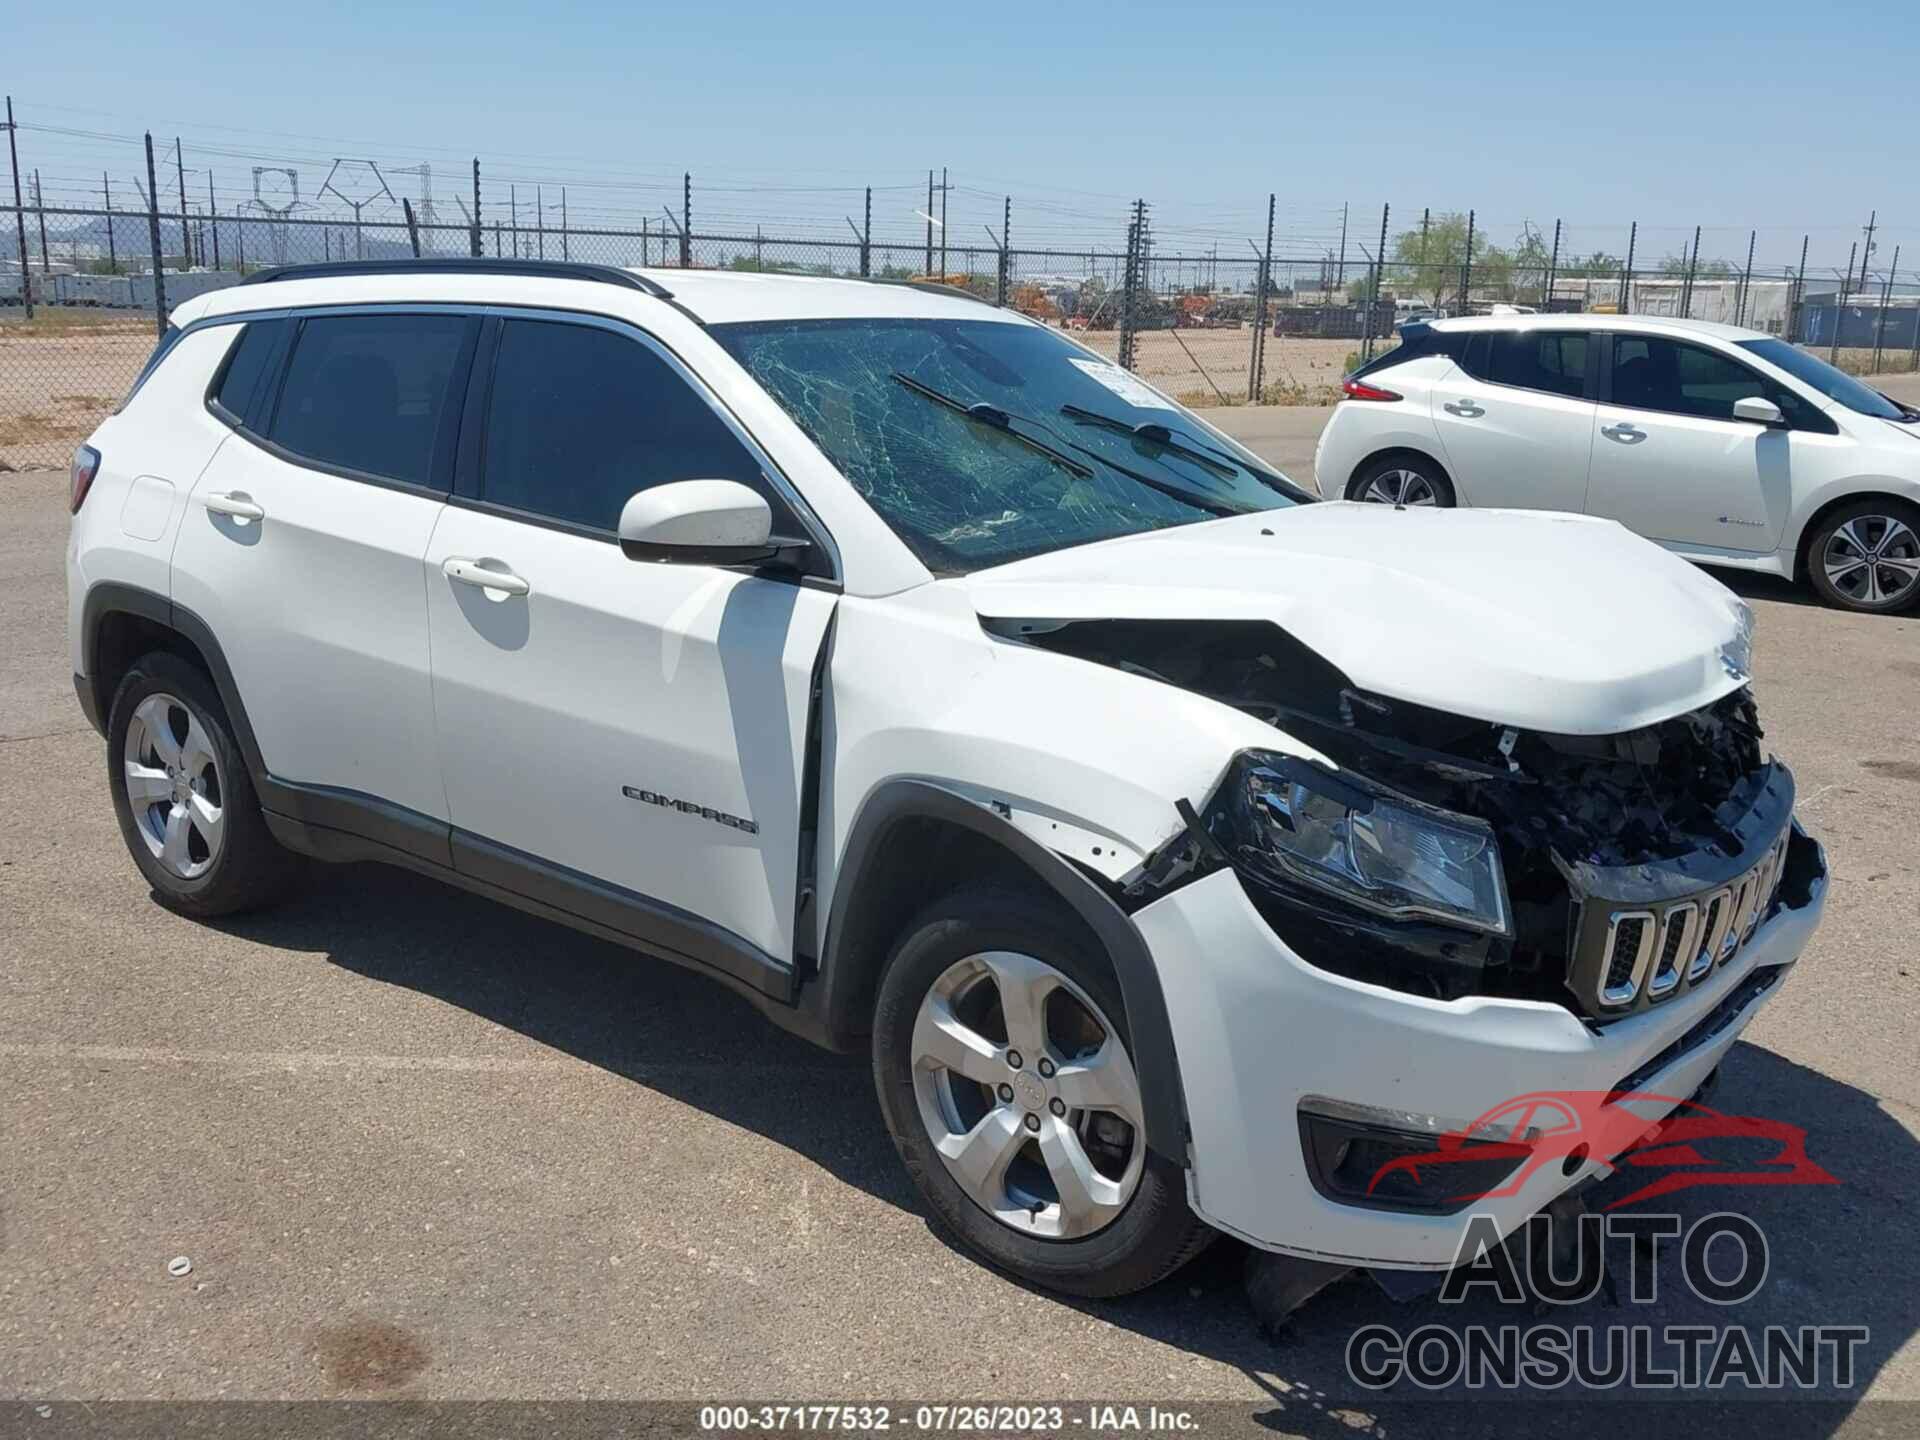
{"x":376,"y":395}
{"x":252,"y":370}
{"x":1552,"y":361}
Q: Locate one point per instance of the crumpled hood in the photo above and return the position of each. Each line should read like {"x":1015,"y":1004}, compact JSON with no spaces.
{"x":1541,"y":621}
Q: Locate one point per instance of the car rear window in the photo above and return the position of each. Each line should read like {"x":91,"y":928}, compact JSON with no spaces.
{"x":1416,"y":342}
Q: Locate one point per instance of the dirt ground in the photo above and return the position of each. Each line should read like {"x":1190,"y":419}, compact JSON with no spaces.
{"x":60,"y":373}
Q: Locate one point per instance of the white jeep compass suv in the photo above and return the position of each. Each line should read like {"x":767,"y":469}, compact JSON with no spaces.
{"x":1727,"y":446}
{"x":1184,"y":852}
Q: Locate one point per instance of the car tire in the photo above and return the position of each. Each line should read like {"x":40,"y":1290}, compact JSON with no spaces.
{"x":1390,"y":479}
{"x":1845,"y":557}
{"x":1137,"y":1228}
{"x":182,"y":794}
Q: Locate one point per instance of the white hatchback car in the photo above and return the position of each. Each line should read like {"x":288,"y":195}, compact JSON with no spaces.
{"x":1183,"y":852}
{"x":1727,"y":446}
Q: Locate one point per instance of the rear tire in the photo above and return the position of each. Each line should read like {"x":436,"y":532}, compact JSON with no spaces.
{"x":1116,"y":1227}
{"x":1402,"y":479}
{"x":1866,"y":557}
{"x":182,"y":794}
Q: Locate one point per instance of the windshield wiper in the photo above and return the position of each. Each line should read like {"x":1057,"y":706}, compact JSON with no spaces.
{"x":1218,"y":461}
{"x":997,"y":420}
{"x":1154,"y":434}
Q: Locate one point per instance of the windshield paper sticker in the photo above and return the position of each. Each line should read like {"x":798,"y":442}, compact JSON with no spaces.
{"x":1135,"y":392}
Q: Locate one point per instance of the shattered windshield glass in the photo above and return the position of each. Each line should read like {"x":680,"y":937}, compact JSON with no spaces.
{"x":984,"y":441}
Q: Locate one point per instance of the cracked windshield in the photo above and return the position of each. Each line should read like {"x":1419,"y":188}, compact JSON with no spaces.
{"x":985,"y":441}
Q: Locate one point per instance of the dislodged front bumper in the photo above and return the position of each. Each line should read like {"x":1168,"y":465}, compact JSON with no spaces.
{"x":1258,"y":1030}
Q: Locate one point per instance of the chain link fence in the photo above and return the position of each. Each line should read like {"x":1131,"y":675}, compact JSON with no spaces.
{"x":83,"y":293}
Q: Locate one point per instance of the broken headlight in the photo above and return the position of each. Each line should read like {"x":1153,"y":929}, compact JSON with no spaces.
{"x":1380,"y":852}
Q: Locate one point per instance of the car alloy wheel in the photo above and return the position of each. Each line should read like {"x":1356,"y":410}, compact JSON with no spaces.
{"x":1028,"y":1095}
{"x":1873,"y":560}
{"x":174,"y":786}
{"x":1399,"y":487}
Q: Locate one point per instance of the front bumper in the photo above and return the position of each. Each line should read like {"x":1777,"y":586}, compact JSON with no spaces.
{"x":1257,"y":1029}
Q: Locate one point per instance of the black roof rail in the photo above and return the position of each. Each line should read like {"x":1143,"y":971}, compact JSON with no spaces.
{"x":465,"y":265}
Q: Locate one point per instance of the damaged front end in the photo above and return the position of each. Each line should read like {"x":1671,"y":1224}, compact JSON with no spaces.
{"x":1450,"y":856}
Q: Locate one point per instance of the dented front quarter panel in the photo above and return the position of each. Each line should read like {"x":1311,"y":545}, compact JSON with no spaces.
{"x":1087,"y":760}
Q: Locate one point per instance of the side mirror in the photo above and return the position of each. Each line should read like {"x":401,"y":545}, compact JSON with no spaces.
{"x":700,"y":522}
{"x":1760,"y":412}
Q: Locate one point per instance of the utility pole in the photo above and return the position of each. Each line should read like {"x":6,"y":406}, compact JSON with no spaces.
{"x":180,"y":173}
{"x":513,"y":214}
{"x":686,"y":220}
{"x":1426,"y":216}
{"x":540,"y":220}
{"x":866,"y":237}
{"x":106,"y":193}
{"x":943,"y":224}
{"x":19,"y":214}
{"x":213,"y":220}
{"x":566,"y":250}
{"x":479,"y":245}
{"x":1379,"y":281}
{"x":153,"y":235}
{"x":1686,"y":288}
{"x":1006,"y":248}
{"x":927,"y":269}
{"x":1799,"y":291}
{"x":1866,"y":254}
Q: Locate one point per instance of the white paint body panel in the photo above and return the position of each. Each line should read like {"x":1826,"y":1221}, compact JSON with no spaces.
{"x":1554,"y":623}
{"x":1257,"y":1029}
{"x":685,"y":680}
{"x":321,"y":608}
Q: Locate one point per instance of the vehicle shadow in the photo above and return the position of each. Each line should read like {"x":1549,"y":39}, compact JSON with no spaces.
{"x":1751,"y":585}
{"x":1839,"y":1254}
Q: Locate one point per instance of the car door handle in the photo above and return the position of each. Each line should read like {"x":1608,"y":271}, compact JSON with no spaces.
{"x":1465,"y":409}
{"x":472,"y":572}
{"x":236,"y":503}
{"x":1625,"y":433}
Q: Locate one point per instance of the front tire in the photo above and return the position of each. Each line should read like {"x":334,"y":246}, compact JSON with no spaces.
{"x":1402,"y":480}
{"x":1866,"y":557}
{"x":1005,"y":1074}
{"x":181,"y":792}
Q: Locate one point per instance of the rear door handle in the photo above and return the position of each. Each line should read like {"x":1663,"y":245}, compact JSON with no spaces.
{"x":236,"y":503}
{"x":1465,"y":409}
{"x":472,"y":572}
{"x":1624,"y":432}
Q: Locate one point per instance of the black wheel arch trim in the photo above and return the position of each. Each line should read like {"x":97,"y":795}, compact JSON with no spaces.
{"x":834,"y":996}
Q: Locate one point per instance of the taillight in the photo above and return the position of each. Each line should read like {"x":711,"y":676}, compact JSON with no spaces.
{"x":1360,"y":390}
{"x":86,"y":465}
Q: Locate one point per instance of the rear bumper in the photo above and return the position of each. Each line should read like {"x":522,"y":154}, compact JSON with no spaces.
{"x":1258,"y":1031}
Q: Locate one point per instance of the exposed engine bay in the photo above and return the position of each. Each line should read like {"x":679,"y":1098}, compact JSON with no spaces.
{"x":1645,"y":813}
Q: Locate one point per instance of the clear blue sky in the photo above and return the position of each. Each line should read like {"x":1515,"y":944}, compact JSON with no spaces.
{"x":1727,"y":115}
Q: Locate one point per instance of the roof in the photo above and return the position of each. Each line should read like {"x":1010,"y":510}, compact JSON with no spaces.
{"x":711,"y":296}
{"x":1589,"y":321}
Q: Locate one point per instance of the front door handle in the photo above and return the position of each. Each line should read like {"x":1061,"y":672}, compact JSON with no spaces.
{"x":473,"y":572}
{"x":236,"y":503}
{"x":1465,"y":409}
{"x":1624,"y":432}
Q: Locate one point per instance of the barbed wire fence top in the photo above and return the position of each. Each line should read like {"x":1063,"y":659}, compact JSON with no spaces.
{"x":1265,"y":301}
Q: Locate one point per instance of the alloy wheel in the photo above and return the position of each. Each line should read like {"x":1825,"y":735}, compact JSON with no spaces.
{"x":174,"y":786}
{"x":1872,"y":560}
{"x":1028,"y":1095}
{"x":1400,"y":487}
